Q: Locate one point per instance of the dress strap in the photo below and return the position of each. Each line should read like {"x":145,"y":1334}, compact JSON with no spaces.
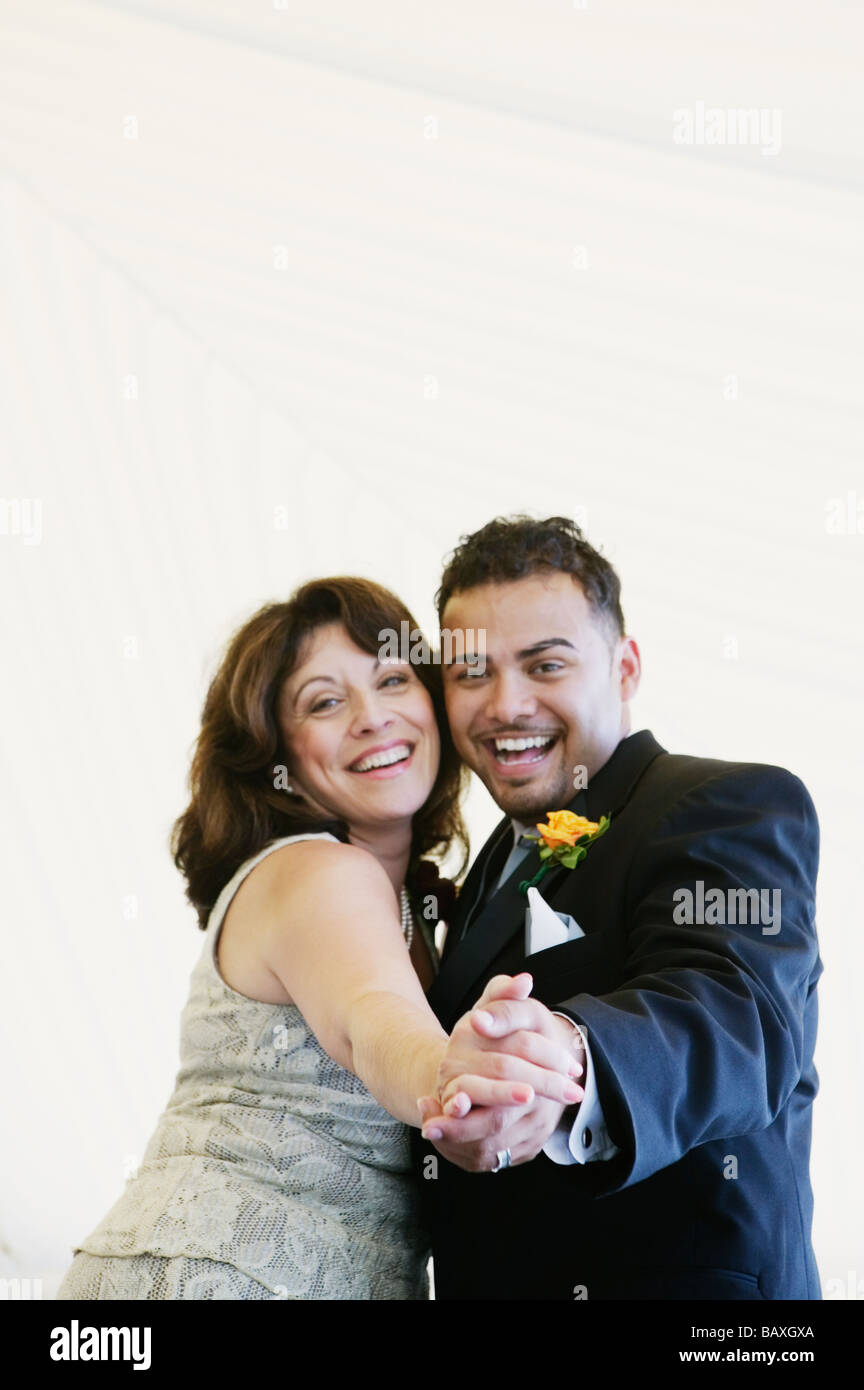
{"x":222,"y":903}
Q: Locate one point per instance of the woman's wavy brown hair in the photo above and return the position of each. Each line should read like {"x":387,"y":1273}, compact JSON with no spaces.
{"x":235,"y":808}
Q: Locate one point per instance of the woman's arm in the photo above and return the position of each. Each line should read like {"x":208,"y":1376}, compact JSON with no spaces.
{"x":331,"y":934}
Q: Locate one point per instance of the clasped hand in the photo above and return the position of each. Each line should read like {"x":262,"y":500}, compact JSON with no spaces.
{"x":509,"y":1072}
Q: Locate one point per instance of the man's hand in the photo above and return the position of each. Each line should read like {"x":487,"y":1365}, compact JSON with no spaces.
{"x":514,"y":1027}
{"x":493,"y":1048}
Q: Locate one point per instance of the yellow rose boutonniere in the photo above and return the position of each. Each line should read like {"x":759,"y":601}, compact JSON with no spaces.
{"x":564,"y":840}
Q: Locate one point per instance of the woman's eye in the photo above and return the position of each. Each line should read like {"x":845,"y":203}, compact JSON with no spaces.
{"x":322,"y":704}
{"x":329,"y":701}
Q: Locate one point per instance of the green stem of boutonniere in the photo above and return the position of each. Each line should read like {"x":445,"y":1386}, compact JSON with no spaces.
{"x":567,"y":856}
{"x":532,"y":882}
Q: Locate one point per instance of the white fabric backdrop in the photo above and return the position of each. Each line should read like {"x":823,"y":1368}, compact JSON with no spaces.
{"x":289,"y":292}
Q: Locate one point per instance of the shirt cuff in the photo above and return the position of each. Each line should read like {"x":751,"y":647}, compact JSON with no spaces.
{"x":586,"y":1140}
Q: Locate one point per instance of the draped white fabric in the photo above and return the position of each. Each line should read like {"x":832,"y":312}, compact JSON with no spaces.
{"x":291,"y":290}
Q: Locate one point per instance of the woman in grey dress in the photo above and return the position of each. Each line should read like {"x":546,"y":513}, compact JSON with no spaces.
{"x":322,"y":780}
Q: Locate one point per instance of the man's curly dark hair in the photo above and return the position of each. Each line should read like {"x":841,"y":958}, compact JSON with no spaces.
{"x":513,"y":547}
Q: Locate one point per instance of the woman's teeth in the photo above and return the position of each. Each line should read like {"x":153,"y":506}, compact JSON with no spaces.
{"x":383,"y":759}
{"x":523,"y":750}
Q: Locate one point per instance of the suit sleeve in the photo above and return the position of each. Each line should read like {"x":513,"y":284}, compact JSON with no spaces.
{"x":704,"y":1037}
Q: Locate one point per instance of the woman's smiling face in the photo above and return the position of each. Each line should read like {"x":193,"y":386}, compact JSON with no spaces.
{"x":361,"y":735}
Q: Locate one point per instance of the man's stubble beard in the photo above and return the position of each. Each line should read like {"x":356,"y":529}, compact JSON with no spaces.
{"x":529,"y":810}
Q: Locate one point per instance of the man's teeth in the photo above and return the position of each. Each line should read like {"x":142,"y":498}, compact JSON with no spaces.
{"x":384,"y":759}
{"x":516,"y":745}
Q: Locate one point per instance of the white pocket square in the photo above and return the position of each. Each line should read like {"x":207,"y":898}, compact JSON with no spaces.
{"x":544,"y":927}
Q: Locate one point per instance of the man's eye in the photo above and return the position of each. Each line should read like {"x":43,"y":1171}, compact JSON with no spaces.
{"x":468,"y":673}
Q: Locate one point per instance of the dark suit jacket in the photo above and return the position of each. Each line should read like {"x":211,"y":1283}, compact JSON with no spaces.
{"x":702,"y":1039}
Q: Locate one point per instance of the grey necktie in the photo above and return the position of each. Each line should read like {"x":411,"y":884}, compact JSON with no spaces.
{"x":520,"y":850}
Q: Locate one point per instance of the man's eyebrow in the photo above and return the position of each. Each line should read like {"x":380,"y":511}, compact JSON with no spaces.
{"x":313,"y":679}
{"x":524,"y":655}
{"x":542,"y":646}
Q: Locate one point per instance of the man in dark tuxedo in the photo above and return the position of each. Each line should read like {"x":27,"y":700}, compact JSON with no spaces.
{"x":679,"y":958}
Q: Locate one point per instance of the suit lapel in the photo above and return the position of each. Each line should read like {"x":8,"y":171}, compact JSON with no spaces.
{"x":502,"y":914}
{"x":606,"y":795}
{"x":504,"y":911}
{"x":482,"y":872}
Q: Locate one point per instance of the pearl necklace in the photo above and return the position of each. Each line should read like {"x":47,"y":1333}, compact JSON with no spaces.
{"x":407,"y":917}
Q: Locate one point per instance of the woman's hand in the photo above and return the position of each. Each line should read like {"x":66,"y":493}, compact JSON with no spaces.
{"x":479,"y":1069}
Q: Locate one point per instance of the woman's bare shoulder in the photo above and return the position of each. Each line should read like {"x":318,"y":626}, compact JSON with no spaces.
{"x":311,"y":864}
{"x":282,"y":892}
{"x":311,"y":876}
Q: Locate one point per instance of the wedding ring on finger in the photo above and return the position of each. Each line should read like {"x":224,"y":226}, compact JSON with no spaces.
{"x":503,"y":1159}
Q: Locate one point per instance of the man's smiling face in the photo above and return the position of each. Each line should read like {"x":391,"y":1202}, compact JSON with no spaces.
{"x":554,"y":679}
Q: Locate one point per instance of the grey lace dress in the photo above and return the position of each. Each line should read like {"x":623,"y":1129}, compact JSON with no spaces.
{"x":272,"y":1173}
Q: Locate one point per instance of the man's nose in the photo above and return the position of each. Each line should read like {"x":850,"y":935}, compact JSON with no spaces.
{"x":509,"y":698}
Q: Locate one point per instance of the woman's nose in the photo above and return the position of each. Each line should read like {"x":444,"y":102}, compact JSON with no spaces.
{"x":370,"y":713}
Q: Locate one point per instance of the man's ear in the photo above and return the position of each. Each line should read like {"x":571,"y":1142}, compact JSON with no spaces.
{"x":629,"y":667}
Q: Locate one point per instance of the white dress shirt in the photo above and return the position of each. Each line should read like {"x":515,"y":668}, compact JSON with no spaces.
{"x":586,"y":1139}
